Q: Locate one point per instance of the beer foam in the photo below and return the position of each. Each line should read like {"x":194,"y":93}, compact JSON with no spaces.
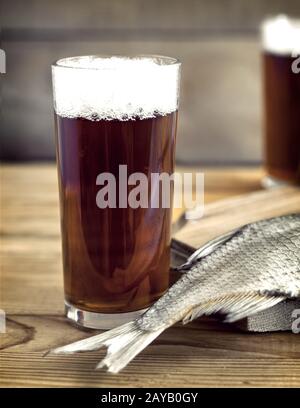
{"x":281,"y":35}
{"x":121,"y":88}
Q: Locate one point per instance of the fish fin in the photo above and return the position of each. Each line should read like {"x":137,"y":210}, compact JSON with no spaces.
{"x":123,"y":344}
{"x":207,"y":249}
{"x":92,"y":343}
{"x":122,"y":349}
{"x":235,"y":307}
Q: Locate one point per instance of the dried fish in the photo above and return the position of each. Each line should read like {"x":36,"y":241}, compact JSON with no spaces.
{"x":237,"y":275}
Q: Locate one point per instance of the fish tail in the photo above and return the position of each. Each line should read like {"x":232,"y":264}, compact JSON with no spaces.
{"x":123,"y":344}
{"x":122,"y":348}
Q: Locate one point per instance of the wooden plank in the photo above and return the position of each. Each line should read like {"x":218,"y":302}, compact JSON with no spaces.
{"x":225,"y":215}
{"x":208,"y":353}
{"x":38,"y":333}
{"x":149,"y":370}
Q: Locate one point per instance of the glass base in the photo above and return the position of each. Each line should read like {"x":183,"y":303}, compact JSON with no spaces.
{"x":99,"y":321}
{"x":269,"y":182}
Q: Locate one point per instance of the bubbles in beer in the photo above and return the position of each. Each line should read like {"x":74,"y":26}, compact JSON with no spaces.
{"x":281,"y":35}
{"x":115,"y":88}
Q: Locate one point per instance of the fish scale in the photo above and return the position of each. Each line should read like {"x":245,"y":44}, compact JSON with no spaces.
{"x":245,"y":272}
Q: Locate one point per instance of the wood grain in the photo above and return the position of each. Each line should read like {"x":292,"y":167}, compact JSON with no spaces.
{"x":208,"y":353}
{"x":227,"y":214}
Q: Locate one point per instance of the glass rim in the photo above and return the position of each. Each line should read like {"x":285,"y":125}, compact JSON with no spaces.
{"x":167,"y":61}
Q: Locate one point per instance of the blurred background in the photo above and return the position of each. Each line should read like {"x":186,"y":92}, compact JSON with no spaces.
{"x":218,"y":42}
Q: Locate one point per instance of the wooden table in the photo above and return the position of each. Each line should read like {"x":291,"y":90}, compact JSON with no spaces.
{"x":204,"y":353}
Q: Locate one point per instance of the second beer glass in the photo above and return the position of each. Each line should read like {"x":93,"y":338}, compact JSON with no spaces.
{"x":281,"y":66}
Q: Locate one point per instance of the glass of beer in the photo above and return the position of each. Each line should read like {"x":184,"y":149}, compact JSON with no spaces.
{"x":115,"y":118}
{"x":281,"y":78}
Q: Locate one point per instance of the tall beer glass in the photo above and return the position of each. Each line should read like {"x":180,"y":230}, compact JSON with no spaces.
{"x":281,"y":75}
{"x":113,"y":113}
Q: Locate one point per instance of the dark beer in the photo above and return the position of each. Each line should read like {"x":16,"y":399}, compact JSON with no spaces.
{"x":115,"y":259}
{"x":282,"y":106}
{"x":282,"y":117}
{"x":113,"y":112}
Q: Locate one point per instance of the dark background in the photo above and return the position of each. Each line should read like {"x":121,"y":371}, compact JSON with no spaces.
{"x":217,"y":41}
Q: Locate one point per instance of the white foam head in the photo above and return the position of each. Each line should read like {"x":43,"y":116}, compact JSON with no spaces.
{"x":281,"y":35}
{"x":95,"y":87}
